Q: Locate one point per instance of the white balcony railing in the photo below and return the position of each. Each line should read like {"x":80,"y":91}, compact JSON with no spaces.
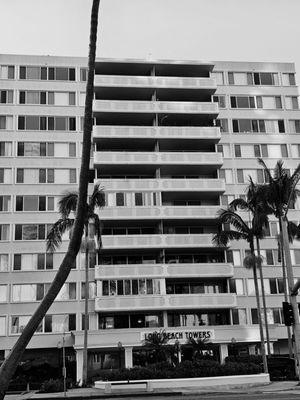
{"x":135,"y":106}
{"x":163,"y":132}
{"x":154,"y":82}
{"x":157,"y":241}
{"x":178,"y":185}
{"x":165,"y":302}
{"x":176,"y":212}
{"x":186,"y":270}
{"x":171,"y":158}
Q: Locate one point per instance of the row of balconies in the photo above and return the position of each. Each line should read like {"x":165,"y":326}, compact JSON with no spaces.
{"x":173,"y":107}
{"x":207,"y":270}
{"x":165,"y":302}
{"x":155,"y":82}
{"x":152,"y":132}
{"x":157,"y":158}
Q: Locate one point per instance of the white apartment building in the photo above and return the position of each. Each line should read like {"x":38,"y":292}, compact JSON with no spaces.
{"x":174,"y":141}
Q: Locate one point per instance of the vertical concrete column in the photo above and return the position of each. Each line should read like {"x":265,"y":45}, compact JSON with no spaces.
{"x":165,"y":319}
{"x":163,"y":289}
{"x":79,"y":365}
{"x":223,"y":352}
{"x":128,"y":357}
{"x":272,"y":347}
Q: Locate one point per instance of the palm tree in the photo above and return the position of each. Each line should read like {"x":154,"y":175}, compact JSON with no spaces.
{"x":199,"y":346}
{"x":243,"y":232}
{"x":257,"y":208}
{"x":156,"y":344}
{"x":280,"y":193}
{"x":11,"y":362}
{"x":67,"y":205}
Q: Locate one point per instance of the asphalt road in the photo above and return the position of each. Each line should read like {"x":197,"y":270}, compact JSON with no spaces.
{"x":289,"y":395}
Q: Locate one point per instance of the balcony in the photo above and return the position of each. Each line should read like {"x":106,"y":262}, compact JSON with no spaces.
{"x":165,"y":302}
{"x":155,"y":82}
{"x":157,"y":241}
{"x":164,"y":185}
{"x":167,"y":212}
{"x":150,"y":132}
{"x":186,"y":270}
{"x":175,"y":107}
{"x":157,"y":158}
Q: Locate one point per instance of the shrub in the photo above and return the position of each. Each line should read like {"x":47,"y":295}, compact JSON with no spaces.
{"x":52,"y":385}
{"x":187,"y":369}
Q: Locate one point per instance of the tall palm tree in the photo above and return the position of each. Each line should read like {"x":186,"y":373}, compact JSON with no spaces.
{"x":157,"y":345}
{"x":67,"y":205}
{"x":259,"y":220}
{"x":280,"y":193}
{"x":199,"y":347}
{"x":242,"y":232}
{"x":11,"y":362}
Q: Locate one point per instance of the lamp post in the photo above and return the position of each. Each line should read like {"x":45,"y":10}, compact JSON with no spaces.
{"x":120,"y":347}
{"x":64,"y":370}
{"x":234,"y":349}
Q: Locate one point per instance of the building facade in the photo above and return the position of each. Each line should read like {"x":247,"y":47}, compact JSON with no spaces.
{"x":173,"y":142}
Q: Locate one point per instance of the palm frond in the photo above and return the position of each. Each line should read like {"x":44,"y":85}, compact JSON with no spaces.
{"x":98,"y":228}
{"x":232,"y":218}
{"x":54,"y":237}
{"x":222,"y":238}
{"x":279,"y":170}
{"x":251,"y":261}
{"x":266,"y":169}
{"x":239,"y":204}
{"x":67,"y":203}
{"x":97,"y":199}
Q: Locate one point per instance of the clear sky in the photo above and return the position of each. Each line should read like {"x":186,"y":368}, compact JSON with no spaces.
{"x":249,"y":30}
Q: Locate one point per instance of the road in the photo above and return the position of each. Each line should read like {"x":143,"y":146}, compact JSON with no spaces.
{"x":289,"y":395}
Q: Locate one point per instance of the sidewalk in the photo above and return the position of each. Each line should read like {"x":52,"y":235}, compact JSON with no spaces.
{"x":91,"y":393}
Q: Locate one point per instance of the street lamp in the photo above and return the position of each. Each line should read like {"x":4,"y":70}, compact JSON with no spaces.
{"x":120,"y":347}
{"x":64,"y":370}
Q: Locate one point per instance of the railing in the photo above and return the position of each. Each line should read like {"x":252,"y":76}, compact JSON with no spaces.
{"x":156,"y":241}
{"x":182,"y":270}
{"x":168,"y":302}
{"x":154,"y":81}
{"x":178,"y":185}
{"x":155,"y":106}
{"x":171,"y":158}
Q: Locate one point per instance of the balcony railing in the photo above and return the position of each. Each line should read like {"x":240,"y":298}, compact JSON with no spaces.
{"x":165,"y":302}
{"x":171,"y":158}
{"x":176,"y":212}
{"x":163,"y":132}
{"x":157,"y":241}
{"x":186,"y":270}
{"x":135,"y":106}
{"x":178,"y":185}
{"x":154,"y":82}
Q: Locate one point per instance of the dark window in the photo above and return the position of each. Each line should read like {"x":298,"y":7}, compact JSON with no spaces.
{"x":11,"y":72}
{"x":237,"y":150}
{"x":235,"y":317}
{"x":22,"y":98}
{"x":18,"y":232}
{"x":41,"y":261}
{"x":72,"y":124}
{"x":230,"y":78}
{"x":235,"y":124}
{"x":22,"y":72}
{"x":120,"y":201}
{"x":273,"y":287}
{"x":42,"y":175}
{"x":269,"y":257}
{"x":21,"y":123}
{"x":254,"y":316}
{"x":72,"y":322}
{"x":71,"y":74}
{"x":43,"y":123}
{"x":281,"y":126}
{"x":50,"y":123}
{"x":61,"y":74}
{"x":138,"y":199}
{"x":44,"y":73}
{"x":262,"y":125}
{"x":257,"y":150}
{"x":19,"y":203}
{"x":42,"y":203}
{"x":256,"y":78}
{"x":233,"y":102}
{"x":20,"y":148}
{"x":20,"y":175}
{"x":17,"y":262}
{"x":43,"y":98}
{"x":51,"y":74}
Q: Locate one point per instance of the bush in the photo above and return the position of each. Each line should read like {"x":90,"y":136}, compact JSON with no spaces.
{"x":52,"y":385}
{"x":253,"y":359}
{"x":187,"y":369}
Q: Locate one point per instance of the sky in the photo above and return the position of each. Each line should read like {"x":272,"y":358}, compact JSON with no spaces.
{"x":237,"y":30}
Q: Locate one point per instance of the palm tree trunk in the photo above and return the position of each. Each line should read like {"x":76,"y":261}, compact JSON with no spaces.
{"x":261,"y":331}
{"x":290,"y":279}
{"x":285,"y":288}
{"x":263,"y":297}
{"x":11,"y":362}
{"x":86,"y":311}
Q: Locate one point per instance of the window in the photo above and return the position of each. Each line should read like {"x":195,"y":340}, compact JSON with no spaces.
{"x":6,"y":96}
{"x":7,"y":72}
{"x":45,"y":123}
{"x":2,"y":326}
{"x":295,"y":254}
{"x":218,"y":76}
{"x":288,"y":79}
{"x":33,"y":262}
{"x":72,"y":149}
{"x":221,"y":100}
{"x":5,"y":175}
{"x":120,"y":199}
{"x":242,"y":102}
{"x":67,"y":292}
{"x":239,"y":316}
{"x":262,"y":78}
{"x":226,"y":174}
{"x":4,"y":259}
{"x":236,"y":286}
{"x":224,"y":149}
{"x":255,"y":126}
{"x":47,"y":73}
{"x":6,"y":122}
{"x":3,"y":293}
{"x":4,"y":232}
{"x":18,"y":323}
{"x":138,"y":198}
{"x":130,"y":287}
{"x":5,"y":149}
{"x":92,"y":290}
{"x":239,"y":78}
{"x":223,"y":124}
{"x":5,"y":203}
{"x":291,"y":103}
{"x":269,"y":102}
{"x":30,"y":232}
{"x":34,"y":203}
{"x":294,"y":126}
{"x":276,"y":285}
{"x":234,"y":257}
{"x":60,"y":323}
{"x":83,"y":74}
{"x":29,"y":292}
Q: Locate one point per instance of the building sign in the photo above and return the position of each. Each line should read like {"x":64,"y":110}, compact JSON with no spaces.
{"x":181,"y":336}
